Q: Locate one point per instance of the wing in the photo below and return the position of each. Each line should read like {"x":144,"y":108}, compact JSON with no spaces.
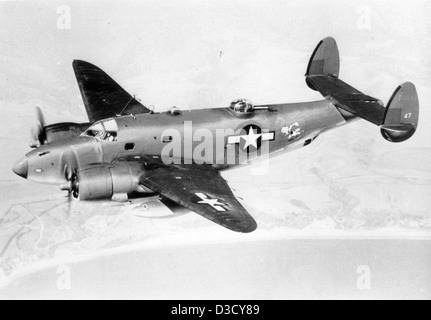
{"x":103,"y":97}
{"x":201,"y":189}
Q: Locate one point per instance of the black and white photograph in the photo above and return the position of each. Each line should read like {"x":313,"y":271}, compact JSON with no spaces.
{"x":203,"y":150}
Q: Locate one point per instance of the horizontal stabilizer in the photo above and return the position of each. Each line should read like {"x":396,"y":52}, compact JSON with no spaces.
{"x":348,"y":98}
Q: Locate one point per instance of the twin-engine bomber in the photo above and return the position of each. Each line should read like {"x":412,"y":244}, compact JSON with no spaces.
{"x":127,"y":149}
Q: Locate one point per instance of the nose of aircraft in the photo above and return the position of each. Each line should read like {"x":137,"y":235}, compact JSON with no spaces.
{"x":21,"y":167}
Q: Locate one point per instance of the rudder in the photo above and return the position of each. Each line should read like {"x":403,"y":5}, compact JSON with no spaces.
{"x":325,"y":60}
{"x":402,"y":114}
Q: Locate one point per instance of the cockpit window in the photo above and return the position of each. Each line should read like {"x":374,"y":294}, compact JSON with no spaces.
{"x":111,"y":125}
{"x":104,"y":131}
{"x":110,"y":137}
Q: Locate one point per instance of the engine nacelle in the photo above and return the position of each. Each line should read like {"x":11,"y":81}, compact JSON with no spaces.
{"x":104,"y":181}
{"x":59,"y":131}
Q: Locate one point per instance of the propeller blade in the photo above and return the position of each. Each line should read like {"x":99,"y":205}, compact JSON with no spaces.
{"x":34,"y":143}
{"x":40,"y":119}
{"x":38,"y":132}
{"x":75,"y":187}
{"x":68,"y":172}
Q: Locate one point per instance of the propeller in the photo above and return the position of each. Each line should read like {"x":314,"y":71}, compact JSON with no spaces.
{"x":68,"y":185}
{"x":75,"y":186}
{"x":38,"y":133}
{"x":72,"y":184}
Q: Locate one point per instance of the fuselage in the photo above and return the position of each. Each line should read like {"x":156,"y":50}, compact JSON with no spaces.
{"x":222,"y":137}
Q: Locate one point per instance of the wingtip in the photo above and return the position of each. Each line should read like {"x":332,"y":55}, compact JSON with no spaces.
{"x":81,"y":63}
{"x":248,"y":226}
{"x":77,"y":63}
{"x":249,"y":230}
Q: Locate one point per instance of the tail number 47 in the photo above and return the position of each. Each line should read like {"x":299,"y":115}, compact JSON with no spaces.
{"x":408,"y":115}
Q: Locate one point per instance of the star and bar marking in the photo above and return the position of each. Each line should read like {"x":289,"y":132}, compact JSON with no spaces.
{"x":211,"y":202}
{"x":252,"y":137}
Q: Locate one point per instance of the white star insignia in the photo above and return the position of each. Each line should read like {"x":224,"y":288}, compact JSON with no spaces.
{"x":251,"y":139}
{"x":212,"y":202}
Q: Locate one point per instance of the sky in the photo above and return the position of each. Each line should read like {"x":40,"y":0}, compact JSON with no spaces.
{"x":168,"y":52}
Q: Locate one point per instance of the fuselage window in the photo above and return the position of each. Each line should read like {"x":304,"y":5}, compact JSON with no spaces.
{"x":90,"y":133}
{"x":129,"y":146}
{"x":167,"y":139}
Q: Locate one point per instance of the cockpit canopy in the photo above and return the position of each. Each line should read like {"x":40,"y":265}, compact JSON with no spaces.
{"x":106,"y":130}
{"x":242,"y":106}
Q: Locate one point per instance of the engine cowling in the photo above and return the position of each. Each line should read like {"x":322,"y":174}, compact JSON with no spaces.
{"x":104,"y":181}
{"x":59,"y":131}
